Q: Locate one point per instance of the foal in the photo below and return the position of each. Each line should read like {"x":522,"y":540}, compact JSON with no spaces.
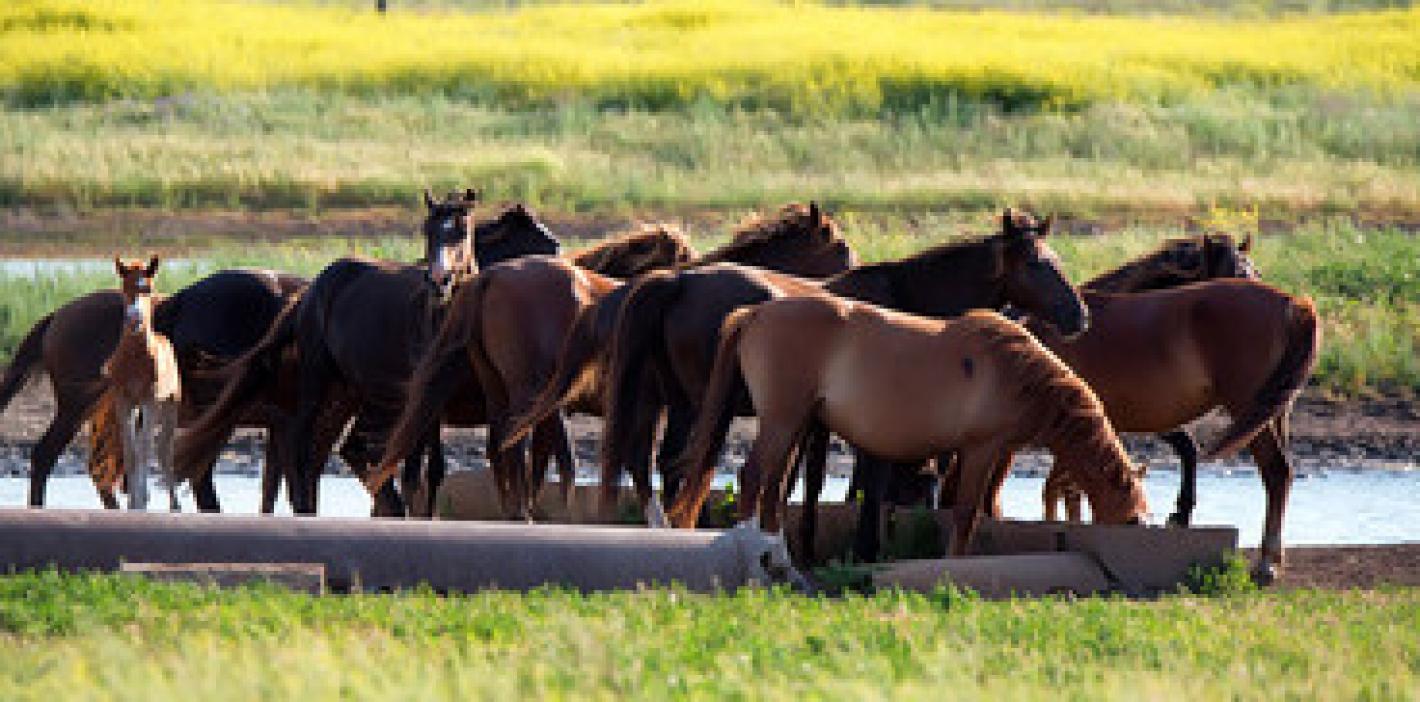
{"x":144,"y":386}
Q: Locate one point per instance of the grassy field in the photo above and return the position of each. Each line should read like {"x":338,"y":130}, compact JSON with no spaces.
{"x":1367,"y":282}
{"x":735,"y":104}
{"x":114,"y":638}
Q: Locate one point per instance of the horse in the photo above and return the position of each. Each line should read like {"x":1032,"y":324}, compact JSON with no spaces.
{"x":353,"y":336}
{"x":670,"y":327}
{"x":1177,"y":261}
{"x":144,"y":386}
{"x":902,"y":388}
{"x":536,"y":332}
{"x":214,"y":319}
{"x":1163,"y":358}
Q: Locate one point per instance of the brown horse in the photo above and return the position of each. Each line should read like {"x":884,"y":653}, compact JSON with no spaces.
{"x":144,"y":386}
{"x":1176,"y":262}
{"x":213,"y":320}
{"x":1163,"y":358}
{"x":671,"y":325}
{"x":902,"y":388}
{"x":519,"y":322}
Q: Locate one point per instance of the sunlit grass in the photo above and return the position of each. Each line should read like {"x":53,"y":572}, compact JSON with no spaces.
{"x":71,"y":637}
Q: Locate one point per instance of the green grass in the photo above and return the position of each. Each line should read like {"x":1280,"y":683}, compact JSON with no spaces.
{"x":81,"y":637}
{"x":1366,"y":282}
{"x":1286,"y":152}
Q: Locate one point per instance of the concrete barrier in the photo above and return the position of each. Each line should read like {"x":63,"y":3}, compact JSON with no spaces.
{"x":303,"y":577}
{"x":1030,"y":574}
{"x":387,"y":554}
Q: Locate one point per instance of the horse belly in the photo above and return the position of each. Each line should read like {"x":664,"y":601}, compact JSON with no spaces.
{"x":888,"y":402}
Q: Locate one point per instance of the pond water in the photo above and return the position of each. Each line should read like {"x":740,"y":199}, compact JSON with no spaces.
{"x":47,"y":267}
{"x":1334,"y":507}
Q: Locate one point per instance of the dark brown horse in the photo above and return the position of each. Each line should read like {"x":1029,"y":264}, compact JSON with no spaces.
{"x":214,"y":320}
{"x":903,"y":388}
{"x":671,"y":325}
{"x":353,"y":336}
{"x":1163,"y":358}
{"x":518,"y":323}
{"x":1176,"y":262}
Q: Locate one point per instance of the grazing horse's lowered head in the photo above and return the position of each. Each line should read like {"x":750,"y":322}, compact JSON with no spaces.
{"x":515,"y":233}
{"x":1031,"y":275}
{"x":448,"y":238}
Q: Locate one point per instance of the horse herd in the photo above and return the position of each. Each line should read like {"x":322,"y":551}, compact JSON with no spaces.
{"x":955,"y":357}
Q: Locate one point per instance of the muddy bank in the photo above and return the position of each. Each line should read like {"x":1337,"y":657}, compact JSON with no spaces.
{"x":1344,"y":567}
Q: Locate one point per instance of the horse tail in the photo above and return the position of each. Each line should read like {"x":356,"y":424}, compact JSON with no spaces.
{"x":246,"y":378}
{"x":24,"y":364}
{"x":106,"y":466}
{"x":444,"y":367}
{"x":1282,"y":386}
{"x":634,"y":352}
{"x":722,"y":394}
{"x":578,"y":351}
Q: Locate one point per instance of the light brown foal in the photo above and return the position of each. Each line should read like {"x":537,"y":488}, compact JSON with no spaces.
{"x":143,"y":382}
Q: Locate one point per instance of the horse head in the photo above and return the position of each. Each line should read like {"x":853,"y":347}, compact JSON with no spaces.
{"x":517,"y":232}
{"x":448,"y":238}
{"x":136,"y":285}
{"x":1031,"y":277}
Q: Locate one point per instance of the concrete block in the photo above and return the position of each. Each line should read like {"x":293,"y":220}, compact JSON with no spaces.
{"x":996,"y":577}
{"x":302,"y":577}
{"x":1148,"y":558}
{"x":833,"y":535}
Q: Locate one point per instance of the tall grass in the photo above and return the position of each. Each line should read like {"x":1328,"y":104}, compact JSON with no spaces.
{"x":113,"y":637}
{"x":1293,"y":153}
{"x":801,"y":59}
{"x":1366,"y":282}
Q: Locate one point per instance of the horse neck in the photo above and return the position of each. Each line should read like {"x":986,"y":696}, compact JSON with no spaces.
{"x":1134,"y":277}
{"x":940,"y":284}
{"x":1074,"y":429}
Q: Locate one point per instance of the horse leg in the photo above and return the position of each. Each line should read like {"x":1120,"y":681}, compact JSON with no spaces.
{"x":638,"y":464}
{"x":272,"y":470}
{"x":1187,"y":450}
{"x":107,"y":497}
{"x":815,"y":461}
{"x":549,"y":440}
{"x":316,"y":377}
{"x":140,"y":439}
{"x":764,"y":475}
{"x":1276,"y":471}
{"x":978,"y":467}
{"x":164,"y":428}
{"x":680,"y":419}
{"x":869,"y":473}
{"x":949,"y":468}
{"x":67,"y":420}
{"x":434,"y":473}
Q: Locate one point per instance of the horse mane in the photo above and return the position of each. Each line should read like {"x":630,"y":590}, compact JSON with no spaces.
{"x":621,"y":250}
{"x":931,"y":260}
{"x":1070,"y":419}
{"x":756,"y":231}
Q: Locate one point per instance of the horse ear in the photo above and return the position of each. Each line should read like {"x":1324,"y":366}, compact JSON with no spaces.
{"x":428,"y":199}
{"x":152,"y":265}
{"x":815,"y":214}
{"x":1008,"y":222}
{"x":118,"y":265}
{"x":470,"y":196}
{"x":1246,"y":245}
{"x":1043,"y":230}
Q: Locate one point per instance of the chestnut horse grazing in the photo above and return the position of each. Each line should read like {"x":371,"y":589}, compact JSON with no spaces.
{"x":144,"y":386}
{"x":1163,"y":358}
{"x":901,"y":388}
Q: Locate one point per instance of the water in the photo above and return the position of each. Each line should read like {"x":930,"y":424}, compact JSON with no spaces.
{"x":1335,"y":507}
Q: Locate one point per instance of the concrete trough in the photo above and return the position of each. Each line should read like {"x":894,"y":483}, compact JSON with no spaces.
{"x":375,"y":554}
{"x":996,"y":577}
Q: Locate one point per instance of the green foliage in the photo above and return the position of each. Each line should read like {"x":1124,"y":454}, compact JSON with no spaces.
{"x":91,"y":636}
{"x":1233,"y":577}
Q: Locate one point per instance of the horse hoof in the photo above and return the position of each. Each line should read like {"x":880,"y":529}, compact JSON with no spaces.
{"x":1178,"y":519}
{"x":1265,"y":574}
